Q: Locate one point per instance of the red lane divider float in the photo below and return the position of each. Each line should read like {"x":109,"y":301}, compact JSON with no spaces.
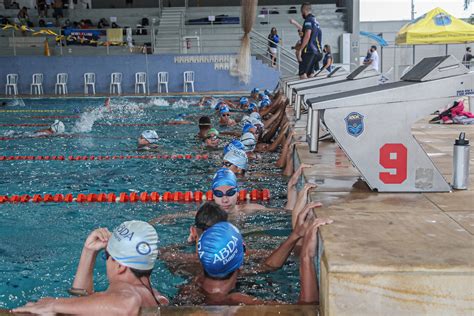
{"x":123,"y":197}
{"x":121,"y":157}
{"x":25,"y":125}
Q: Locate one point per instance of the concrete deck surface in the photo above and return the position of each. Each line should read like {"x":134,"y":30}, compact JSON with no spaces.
{"x":393,"y":253}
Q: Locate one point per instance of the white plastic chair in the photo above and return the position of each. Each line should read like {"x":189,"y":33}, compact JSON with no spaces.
{"x":61,"y":83}
{"x":37,"y":84}
{"x":89,"y":80}
{"x":140,"y":81}
{"x":162,"y":80}
{"x":116,"y":82}
{"x":188,"y":80}
{"x":12,"y":84}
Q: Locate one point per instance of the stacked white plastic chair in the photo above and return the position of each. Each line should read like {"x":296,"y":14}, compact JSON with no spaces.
{"x":37,"y":84}
{"x":188,"y":80}
{"x":116,"y":83}
{"x":61,"y":83}
{"x":140,"y":81}
{"x":12,"y":84}
{"x":89,"y":81}
{"x":163,"y":81}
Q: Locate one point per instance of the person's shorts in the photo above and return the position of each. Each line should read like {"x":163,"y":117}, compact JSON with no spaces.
{"x":307,"y":64}
{"x":272,"y":50}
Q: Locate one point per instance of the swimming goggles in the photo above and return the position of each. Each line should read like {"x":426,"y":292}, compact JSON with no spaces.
{"x":230,"y":192}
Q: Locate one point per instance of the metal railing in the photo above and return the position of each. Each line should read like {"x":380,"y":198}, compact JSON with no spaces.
{"x":285,"y":59}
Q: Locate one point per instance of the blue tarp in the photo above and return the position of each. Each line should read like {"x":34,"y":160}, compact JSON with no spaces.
{"x":380,"y":40}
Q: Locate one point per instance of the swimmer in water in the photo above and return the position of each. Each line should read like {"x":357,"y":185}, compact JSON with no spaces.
{"x":225,"y":119}
{"x":130,"y":286}
{"x":236,"y":160}
{"x":225,"y":190}
{"x":244,"y":103}
{"x":212,"y":138}
{"x":249,"y":141}
{"x":179,"y":120}
{"x":234,"y":144}
{"x":254,"y":93}
{"x":148,"y":141}
{"x":204,"y":126}
{"x":56,"y":128}
{"x":220,"y":276}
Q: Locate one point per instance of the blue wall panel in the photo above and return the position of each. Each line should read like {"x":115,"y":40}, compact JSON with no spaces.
{"x":206,"y":78}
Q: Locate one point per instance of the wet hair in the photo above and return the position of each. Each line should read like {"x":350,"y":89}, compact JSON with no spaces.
{"x":209,"y":214}
{"x":225,"y":277}
{"x":204,"y":122}
{"x":306,"y":6}
{"x":141,"y":273}
{"x":373,"y":47}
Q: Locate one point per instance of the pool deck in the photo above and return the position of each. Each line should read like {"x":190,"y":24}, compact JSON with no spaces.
{"x":393,"y":253}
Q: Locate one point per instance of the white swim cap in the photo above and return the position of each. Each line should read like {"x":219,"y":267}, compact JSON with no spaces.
{"x":58,"y":127}
{"x":245,"y":119}
{"x":248,"y":139}
{"x":256,"y":115}
{"x":255,"y":121}
{"x":151,"y":136}
{"x":237,"y":157}
{"x":134,"y":244}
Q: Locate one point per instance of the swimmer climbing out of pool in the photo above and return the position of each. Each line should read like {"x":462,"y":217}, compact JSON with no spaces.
{"x":148,"y":140}
{"x":129,"y":279}
{"x":56,"y":128}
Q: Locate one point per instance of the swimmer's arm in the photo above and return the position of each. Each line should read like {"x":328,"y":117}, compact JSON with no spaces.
{"x":95,"y":242}
{"x":279,"y":256}
{"x":105,"y":303}
{"x":256,"y":207}
{"x":231,"y":133}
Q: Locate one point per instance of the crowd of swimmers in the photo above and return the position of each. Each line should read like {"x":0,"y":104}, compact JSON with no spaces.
{"x":255,"y":124}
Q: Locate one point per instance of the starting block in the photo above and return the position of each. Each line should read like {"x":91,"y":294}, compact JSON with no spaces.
{"x":362,"y":77}
{"x":373,"y":125}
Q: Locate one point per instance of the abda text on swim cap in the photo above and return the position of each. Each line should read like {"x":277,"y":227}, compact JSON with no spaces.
{"x":228,"y":252}
{"x":123,"y":232}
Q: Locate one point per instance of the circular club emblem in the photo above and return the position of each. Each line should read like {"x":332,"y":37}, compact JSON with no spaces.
{"x":143,"y":248}
{"x":442,"y":19}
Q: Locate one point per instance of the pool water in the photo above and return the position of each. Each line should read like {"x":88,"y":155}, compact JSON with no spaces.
{"x":40,"y":244}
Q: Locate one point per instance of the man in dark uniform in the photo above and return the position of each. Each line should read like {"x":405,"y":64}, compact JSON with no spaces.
{"x":311,"y":52}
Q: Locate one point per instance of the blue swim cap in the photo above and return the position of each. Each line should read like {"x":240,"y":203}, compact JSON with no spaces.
{"x":221,"y":249}
{"x":244,"y":100}
{"x":264,"y":103}
{"x":208,"y":103}
{"x":222,"y":177}
{"x":237,"y":157}
{"x":219,"y":105}
{"x":267,"y":92}
{"x":252,"y":106}
{"x":247,"y":127}
{"x":224,"y":110}
{"x":255,"y":90}
{"x":261,"y":95}
{"x":235,"y":144}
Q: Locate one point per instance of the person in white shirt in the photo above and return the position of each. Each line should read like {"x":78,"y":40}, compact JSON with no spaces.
{"x":374,"y":58}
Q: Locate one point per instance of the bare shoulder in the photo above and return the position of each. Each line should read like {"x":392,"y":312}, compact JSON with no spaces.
{"x":240,"y":298}
{"x":251,"y":207}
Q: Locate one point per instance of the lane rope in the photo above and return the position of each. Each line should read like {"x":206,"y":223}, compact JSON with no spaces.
{"x":123,"y":197}
{"x":108,"y":157}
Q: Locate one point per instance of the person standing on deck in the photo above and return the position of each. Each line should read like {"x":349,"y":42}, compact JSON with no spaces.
{"x":310,"y":52}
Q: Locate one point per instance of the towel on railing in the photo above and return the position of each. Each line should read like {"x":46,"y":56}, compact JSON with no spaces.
{"x":115,"y":35}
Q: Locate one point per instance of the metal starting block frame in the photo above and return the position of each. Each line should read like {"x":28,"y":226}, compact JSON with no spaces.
{"x":362,"y":77}
{"x":373,"y":125}
{"x":337,"y":72}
